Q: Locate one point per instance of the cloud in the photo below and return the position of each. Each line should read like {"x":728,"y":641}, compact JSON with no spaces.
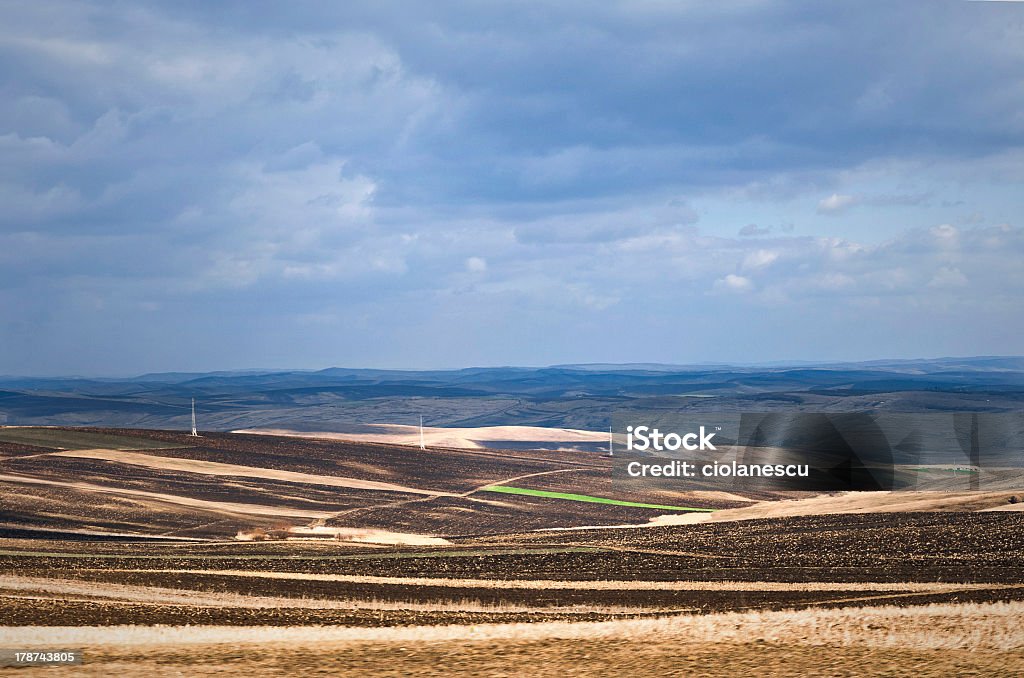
{"x":244,"y":171}
{"x":734,"y":283}
{"x":836,"y":203}
{"x":593,"y":226}
{"x":476,"y":264}
{"x":753,"y":230}
{"x":759,"y":259}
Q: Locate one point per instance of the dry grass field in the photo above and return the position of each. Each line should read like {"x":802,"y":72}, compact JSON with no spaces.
{"x":479,"y":437}
{"x":934,"y":640}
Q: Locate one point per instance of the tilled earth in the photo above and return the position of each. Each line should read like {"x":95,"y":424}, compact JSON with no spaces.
{"x":437,"y":491}
{"x":978,"y":557}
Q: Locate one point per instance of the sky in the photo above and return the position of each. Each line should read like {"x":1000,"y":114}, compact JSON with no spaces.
{"x":239,"y":184}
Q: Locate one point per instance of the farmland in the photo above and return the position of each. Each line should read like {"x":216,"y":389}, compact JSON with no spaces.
{"x":359,"y":543}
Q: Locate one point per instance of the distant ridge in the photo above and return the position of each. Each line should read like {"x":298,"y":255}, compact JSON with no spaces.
{"x":583,"y":396}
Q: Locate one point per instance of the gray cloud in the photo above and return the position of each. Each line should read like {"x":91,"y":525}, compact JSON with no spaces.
{"x":325,"y":177}
{"x":753,"y":230}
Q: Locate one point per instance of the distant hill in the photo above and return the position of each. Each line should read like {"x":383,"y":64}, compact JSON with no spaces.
{"x":573,"y":396}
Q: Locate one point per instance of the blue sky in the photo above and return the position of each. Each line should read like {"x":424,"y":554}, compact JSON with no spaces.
{"x":192,"y":186}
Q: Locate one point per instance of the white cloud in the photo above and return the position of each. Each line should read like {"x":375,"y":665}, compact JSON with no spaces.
{"x":734,"y":283}
{"x":476,"y":264}
{"x":946,"y":235}
{"x":835,"y":203}
{"x":759,"y":259}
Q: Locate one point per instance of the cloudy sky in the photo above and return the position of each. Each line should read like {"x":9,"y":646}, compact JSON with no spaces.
{"x":194,"y":186}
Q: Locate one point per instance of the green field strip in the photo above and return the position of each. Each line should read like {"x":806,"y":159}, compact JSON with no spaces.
{"x":461,"y":553}
{"x":505,"y":489}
